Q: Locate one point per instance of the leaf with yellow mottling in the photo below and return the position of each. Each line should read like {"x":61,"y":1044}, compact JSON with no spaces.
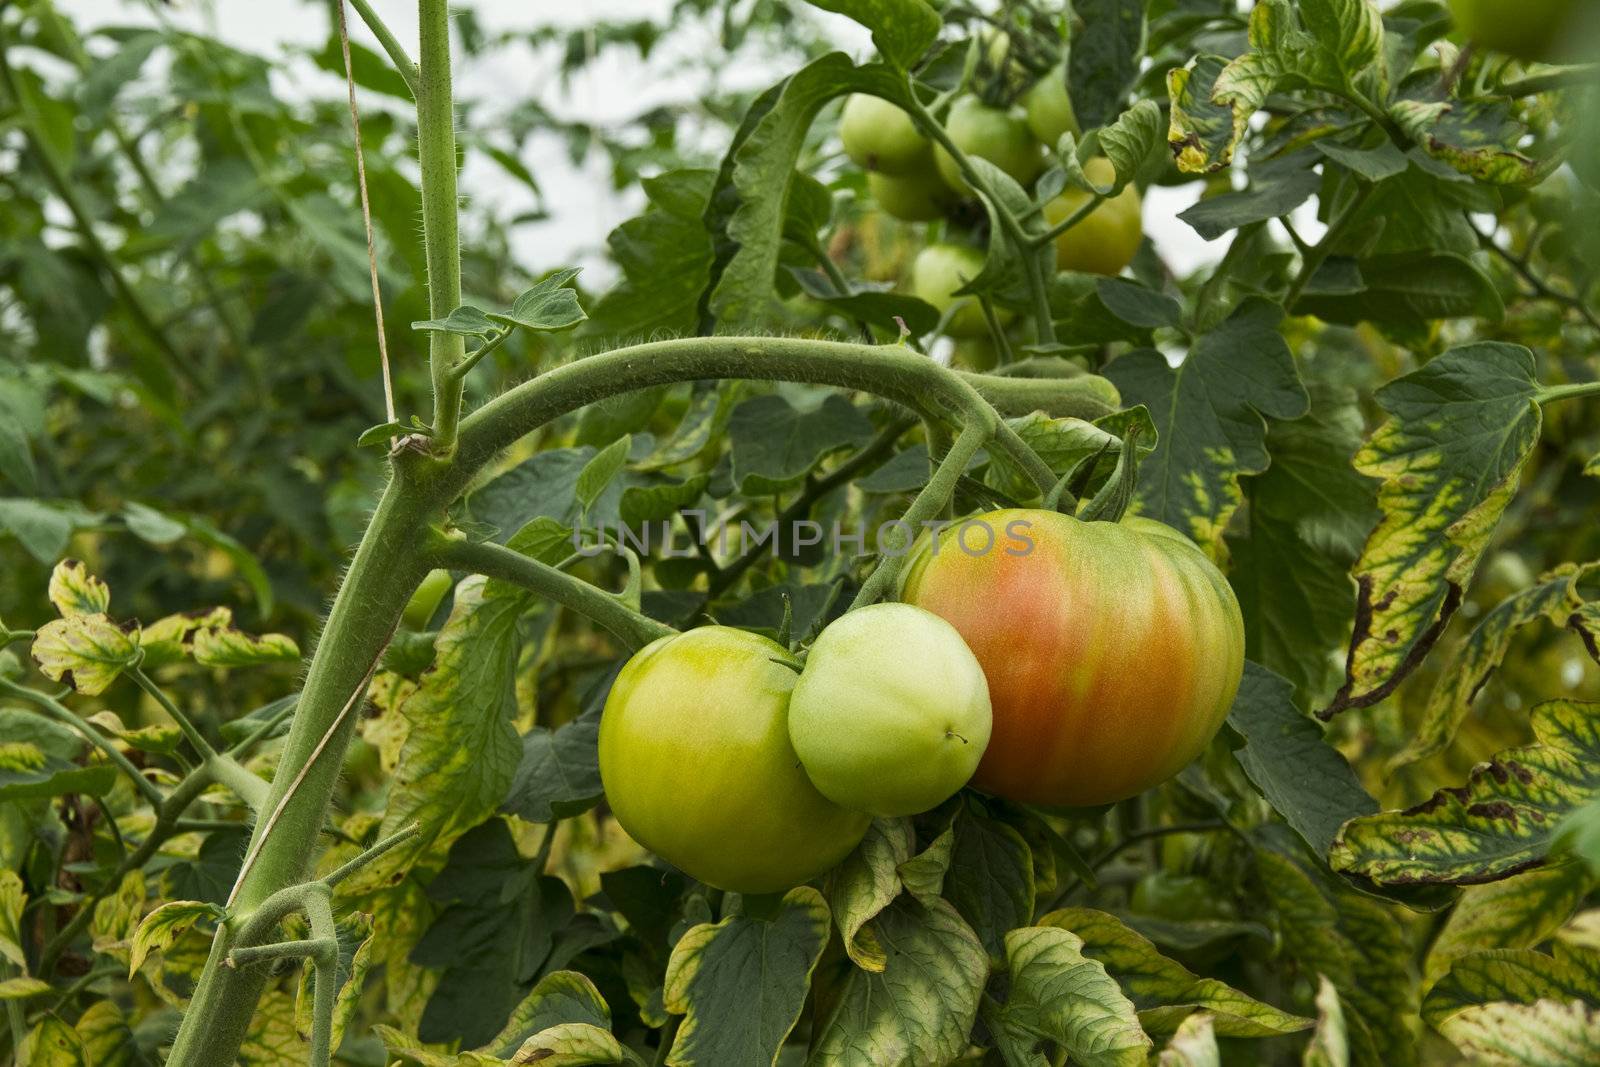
{"x":1502,"y":821}
{"x":1546,"y":1033}
{"x":74,"y":591}
{"x":86,"y":652}
{"x":108,"y":1041}
{"x":354,"y":932}
{"x":1449,"y":457}
{"x":167,"y":639}
{"x":1515,"y":912}
{"x":117,"y":916}
{"x":273,"y":1040}
{"x":162,"y":927}
{"x":216,"y":647}
{"x":52,"y":1043}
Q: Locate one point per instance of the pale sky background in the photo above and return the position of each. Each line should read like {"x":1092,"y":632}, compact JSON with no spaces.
{"x":583,"y":206}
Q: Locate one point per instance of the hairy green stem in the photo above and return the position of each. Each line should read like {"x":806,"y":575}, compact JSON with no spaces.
{"x":924,"y":507}
{"x":436,"y":150}
{"x":1574,"y":391}
{"x":496,"y":561}
{"x":403,"y":64}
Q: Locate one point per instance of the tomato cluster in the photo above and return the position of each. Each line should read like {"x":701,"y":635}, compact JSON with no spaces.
{"x":1042,"y":658}
{"x":914,"y":179}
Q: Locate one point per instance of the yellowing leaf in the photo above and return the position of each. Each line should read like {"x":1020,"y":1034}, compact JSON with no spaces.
{"x":21,"y":988}
{"x":74,"y":591}
{"x":86,"y":652}
{"x":235,"y":648}
{"x":165,"y":925}
{"x":1059,"y":993}
{"x":167,"y":639}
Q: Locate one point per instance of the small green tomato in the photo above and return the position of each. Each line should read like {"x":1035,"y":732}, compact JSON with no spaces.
{"x":891,"y":714}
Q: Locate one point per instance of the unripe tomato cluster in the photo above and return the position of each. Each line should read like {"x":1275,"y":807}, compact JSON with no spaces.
{"x":914,"y":179}
{"x":1043,"y":659}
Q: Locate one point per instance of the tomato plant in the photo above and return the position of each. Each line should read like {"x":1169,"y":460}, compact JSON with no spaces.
{"x":415,"y":649}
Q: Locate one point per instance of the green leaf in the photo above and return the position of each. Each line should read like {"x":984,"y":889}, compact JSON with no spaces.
{"x":660,"y":501}
{"x":1450,"y":456}
{"x":1061,"y":994}
{"x":1545,"y":1033}
{"x":877,"y":307}
{"x":1277,"y":187}
{"x":748,"y":203}
{"x":464,"y":321}
{"x":1305,"y":779}
{"x":223,"y":189}
{"x":1373,"y":164}
{"x":550,"y":305}
{"x":151,"y":525}
{"x":86,"y":652}
{"x":990,"y":880}
{"x":773,"y":445}
{"x":380,"y":435}
{"x":74,"y":591}
{"x":225,"y":647}
{"x":741,"y":983}
{"x":461,"y":753}
{"x":867,"y":882}
{"x":919,"y":1007}
{"x":665,"y":257}
{"x":599,"y":472}
{"x":559,"y":998}
{"x":1501,"y":822}
{"x":901,"y":29}
{"x":1556,"y":598}
{"x":43,"y":529}
{"x":1307,"y":518}
{"x":1104,"y":59}
{"x":165,"y":925}
{"x":1163,"y":990}
{"x":1210,"y":412}
{"x":38,"y":758}
{"x":1354,"y":940}
{"x":1516,"y":912}
{"x":1513,"y":975}
{"x":559,"y":775}
{"x":16,"y":456}
{"x":1403,"y":291}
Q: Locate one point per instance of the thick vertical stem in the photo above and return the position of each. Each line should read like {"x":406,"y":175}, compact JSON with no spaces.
{"x":436,"y":149}
{"x":386,"y":568}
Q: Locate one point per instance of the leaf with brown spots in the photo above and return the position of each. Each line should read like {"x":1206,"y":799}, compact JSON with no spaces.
{"x":1502,"y":821}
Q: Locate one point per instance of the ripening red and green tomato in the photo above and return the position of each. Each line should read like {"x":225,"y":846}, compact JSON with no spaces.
{"x":891,"y":714}
{"x":697,"y":765}
{"x":1049,"y":108}
{"x":1105,"y":240}
{"x":941,"y":269}
{"x":880,"y":137}
{"x":997,"y":134}
{"x":918,"y":197}
{"x":1526,"y":29}
{"x":1113,"y":650}
{"x":425,"y":601}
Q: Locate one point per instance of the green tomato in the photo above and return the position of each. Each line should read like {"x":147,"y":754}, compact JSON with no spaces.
{"x":998,"y":135}
{"x":891,"y":714}
{"x":697,"y":765}
{"x":1050,"y":109}
{"x":1105,"y":240}
{"x":920,"y":197}
{"x":1527,"y":29}
{"x":937,"y":272}
{"x":878,"y":136}
{"x":425,"y":601}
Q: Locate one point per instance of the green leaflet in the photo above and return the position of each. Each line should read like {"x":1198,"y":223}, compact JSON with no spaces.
{"x":864,"y":884}
{"x":741,"y":983}
{"x":920,"y":1007}
{"x":1449,"y":456}
{"x":1556,"y":598}
{"x":1502,"y":821}
{"x":1059,"y":993}
{"x":990,"y":879}
{"x":1353,"y":940}
{"x":1519,"y":976}
{"x":901,"y":29}
{"x":1211,"y":413}
{"x":461,"y":751}
{"x":746,"y":211}
{"x":38,"y":758}
{"x":1163,"y":989}
{"x":1515,"y":912}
